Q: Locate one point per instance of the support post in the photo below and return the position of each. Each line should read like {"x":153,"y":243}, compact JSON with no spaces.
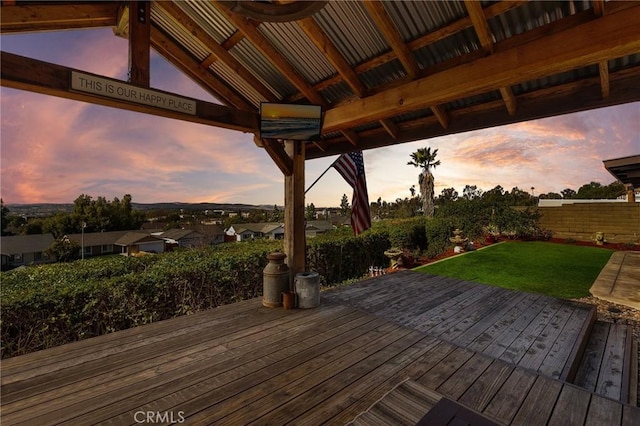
{"x":294,"y":229}
{"x":139,"y":42}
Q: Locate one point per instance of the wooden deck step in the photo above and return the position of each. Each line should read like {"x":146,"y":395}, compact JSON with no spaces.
{"x":405,"y":404}
{"x":606,"y":366}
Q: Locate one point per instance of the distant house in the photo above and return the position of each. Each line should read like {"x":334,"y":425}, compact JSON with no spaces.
{"x":133,"y":243}
{"x":212,"y":233}
{"x":315,"y":227}
{"x":21,"y":250}
{"x":182,"y":238}
{"x":252,"y":231}
{"x":98,"y":243}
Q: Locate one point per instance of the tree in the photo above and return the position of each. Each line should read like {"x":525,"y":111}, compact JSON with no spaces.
{"x":551,"y":196}
{"x":568,"y":193}
{"x":470,"y":192}
{"x":344,"y":205}
{"x":596,"y":191}
{"x":276,"y":214}
{"x":426,"y":160}
{"x":4,"y":217}
{"x":64,"y":250}
{"x":447,"y":195}
{"x":310,"y":213}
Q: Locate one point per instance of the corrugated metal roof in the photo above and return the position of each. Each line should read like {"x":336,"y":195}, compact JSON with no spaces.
{"x":228,"y":75}
{"x":208,"y":18}
{"x":492,"y":95}
{"x":336,"y":93}
{"x":556,"y":79}
{"x":414,"y":19}
{"x":169,"y":25}
{"x":292,"y":43}
{"x":385,"y":73}
{"x":448,"y":48}
{"x":254,"y":60}
{"x":351,"y":30}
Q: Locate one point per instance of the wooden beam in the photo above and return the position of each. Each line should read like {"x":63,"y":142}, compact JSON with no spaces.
{"x":351,"y":136}
{"x":264,"y":46}
{"x":235,"y":38}
{"x":380,"y":16}
{"x":441,"y":115}
{"x":22,"y":73}
{"x":480,"y":24}
{"x":618,"y":35}
{"x":563,"y":99}
{"x":187,"y":64}
{"x":598,"y":7}
{"x":51,"y":17}
{"x":218,"y":52}
{"x":278,"y":155}
{"x":603,"y":66}
{"x":326,"y":46}
{"x":604,"y":78}
{"x":390,"y":127}
{"x":139,"y":42}
{"x":294,"y":233}
{"x":509,"y":99}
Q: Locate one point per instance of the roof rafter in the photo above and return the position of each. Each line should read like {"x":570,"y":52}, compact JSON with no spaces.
{"x":219,"y":53}
{"x":423,"y":41}
{"x":400,"y":49}
{"x":485,"y":36}
{"x":603,"y":66}
{"x":557,"y":53}
{"x":326,"y":46}
{"x":167,"y":48}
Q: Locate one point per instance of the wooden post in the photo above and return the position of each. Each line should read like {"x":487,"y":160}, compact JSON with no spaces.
{"x":294,"y":230}
{"x":139,"y":42}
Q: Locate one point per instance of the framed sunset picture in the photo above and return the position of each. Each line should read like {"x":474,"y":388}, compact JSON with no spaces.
{"x":290,"y":121}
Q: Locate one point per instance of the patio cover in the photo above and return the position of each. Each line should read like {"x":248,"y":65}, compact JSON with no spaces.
{"x":625,"y":169}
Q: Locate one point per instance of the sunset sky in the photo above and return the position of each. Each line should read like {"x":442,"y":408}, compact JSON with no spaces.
{"x":55,"y":149}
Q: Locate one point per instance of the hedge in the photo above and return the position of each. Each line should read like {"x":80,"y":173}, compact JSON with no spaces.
{"x":49,"y":305}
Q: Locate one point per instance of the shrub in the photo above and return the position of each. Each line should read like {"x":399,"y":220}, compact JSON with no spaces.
{"x":48,"y":305}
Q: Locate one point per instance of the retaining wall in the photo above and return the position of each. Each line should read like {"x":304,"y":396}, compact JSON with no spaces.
{"x":620,"y":222}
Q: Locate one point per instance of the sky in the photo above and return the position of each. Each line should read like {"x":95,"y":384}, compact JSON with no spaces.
{"x":53,"y":149}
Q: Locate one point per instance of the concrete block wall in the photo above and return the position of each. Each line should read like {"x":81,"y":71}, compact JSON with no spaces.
{"x":620,"y":222}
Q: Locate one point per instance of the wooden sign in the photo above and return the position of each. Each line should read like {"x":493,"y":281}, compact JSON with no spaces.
{"x":89,"y":83}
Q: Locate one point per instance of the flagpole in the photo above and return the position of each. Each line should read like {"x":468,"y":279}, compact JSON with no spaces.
{"x":323,"y":173}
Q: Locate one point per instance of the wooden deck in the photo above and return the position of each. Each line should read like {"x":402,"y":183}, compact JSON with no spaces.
{"x":244,"y":363}
{"x":530,"y":330}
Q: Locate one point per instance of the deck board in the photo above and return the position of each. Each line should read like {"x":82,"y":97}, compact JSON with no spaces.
{"x":245,"y":363}
{"x":610,"y":378}
{"x":533,"y":331}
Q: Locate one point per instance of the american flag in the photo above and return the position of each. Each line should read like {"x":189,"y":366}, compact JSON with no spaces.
{"x":351,"y":167}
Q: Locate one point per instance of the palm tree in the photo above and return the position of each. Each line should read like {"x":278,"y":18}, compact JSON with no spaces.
{"x":425,"y":159}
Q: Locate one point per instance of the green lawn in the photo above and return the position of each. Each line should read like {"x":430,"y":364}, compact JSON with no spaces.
{"x":557,"y":270}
